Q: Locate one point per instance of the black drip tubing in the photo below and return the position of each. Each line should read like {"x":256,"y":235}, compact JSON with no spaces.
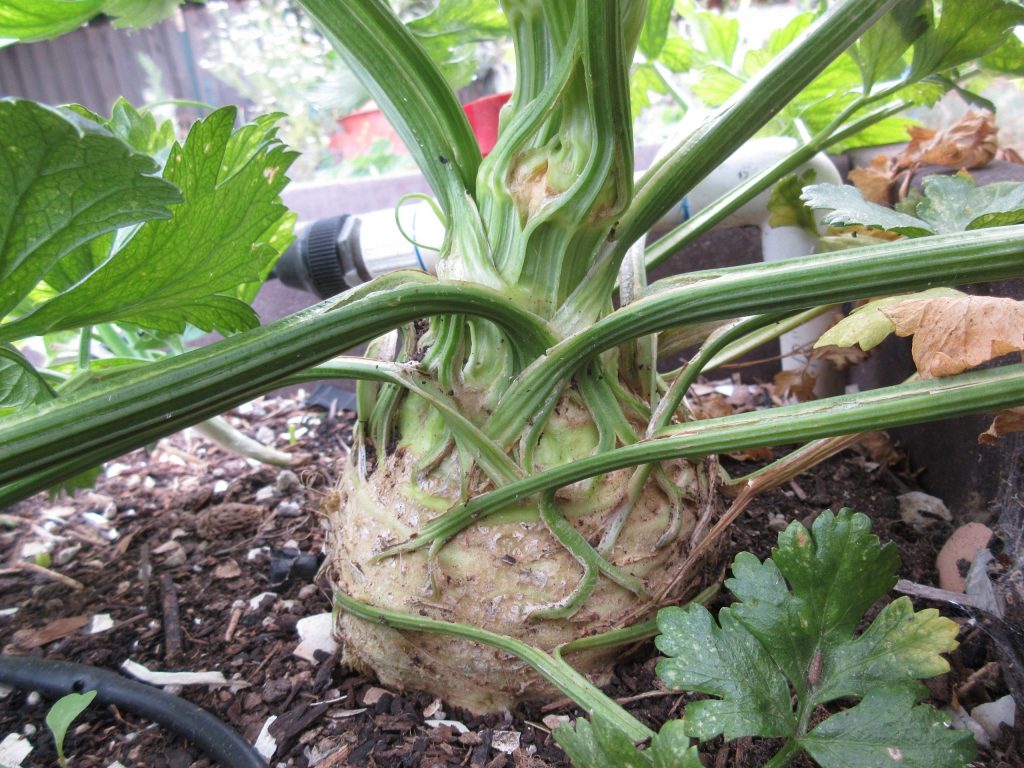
{"x":59,"y":678}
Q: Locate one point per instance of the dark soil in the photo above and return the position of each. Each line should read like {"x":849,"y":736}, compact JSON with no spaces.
{"x":191,"y":524}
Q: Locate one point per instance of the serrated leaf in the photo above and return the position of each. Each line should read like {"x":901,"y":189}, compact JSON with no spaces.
{"x":785,"y":207}
{"x":879,"y":52}
{"x":867,"y":325}
{"x":20,"y":383}
{"x":900,"y":646}
{"x":654,"y":32}
{"x":955,"y":204}
{"x":451,"y":31}
{"x":847,"y":206}
{"x":64,"y":182}
{"x":720,"y":35}
{"x":601,"y":745}
{"x":643,"y":81}
{"x":178,"y":272}
{"x":1007,"y":59}
{"x":887,"y":729}
{"x":723,"y":660}
{"x":28,"y":20}
{"x":676,"y":54}
{"x":25,"y":20}
{"x":671,"y":747}
{"x":835,"y":573}
{"x":965,"y":31}
{"x":139,"y":13}
{"x":952,"y":334}
{"x":81,"y":481}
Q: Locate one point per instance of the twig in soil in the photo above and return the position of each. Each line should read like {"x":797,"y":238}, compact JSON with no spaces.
{"x":31,"y":567}
{"x":646,"y":695}
{"x":236,"y":613}
{"x":934,"y":593}
{"x":172,"y":625}
{"x":166,"y":447}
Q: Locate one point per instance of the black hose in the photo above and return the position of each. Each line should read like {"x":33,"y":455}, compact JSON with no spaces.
{"x":59,"y":678}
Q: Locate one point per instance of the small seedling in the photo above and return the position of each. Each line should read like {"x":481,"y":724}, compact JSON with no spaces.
{"x":62,"y":714}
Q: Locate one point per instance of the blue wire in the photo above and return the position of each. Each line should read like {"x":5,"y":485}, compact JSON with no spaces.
{"x":415,"y":247}
{"x":686,"y":209}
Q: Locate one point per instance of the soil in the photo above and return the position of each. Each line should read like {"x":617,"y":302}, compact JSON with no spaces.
{"x":233,"y":546}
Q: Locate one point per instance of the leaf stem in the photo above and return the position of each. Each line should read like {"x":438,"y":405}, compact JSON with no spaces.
{"x":556,"y":671}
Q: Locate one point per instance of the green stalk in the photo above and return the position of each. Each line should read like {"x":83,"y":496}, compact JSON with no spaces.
{"x":888,"y":407}
{"x":738,"y":196}
{"x":85,"y":348}
{"x":98,"y":423}
{"x":409,"y":89}
{"x":668,"y":180}
{"x":554,"y":670}
{"x":784,"y":286}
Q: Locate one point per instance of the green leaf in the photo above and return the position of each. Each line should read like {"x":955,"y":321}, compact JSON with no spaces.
{"x":20,"y":383}
{"x":847,"y":206}
{"x":184,"y":271}
{"x":601,"y":745}
{"x":950,"y":204}
{"x":720,"y":35}
{"x":965,"y":31}
{"x":879,"y":52}
{"x":725,"y":661}
{"x":785,"y":207}
{"x":28,"y":20}
{"x":676,"y":54}
{"x":955,"y":204}
{"x":64,"y":182}
{"x":642,"y":83}
{"x":139,"y":13}
{"x":835,"y":573}
{"x":452,"y":31}
{"x":655,"y":29}
{"x":25,"y":20}
{"x":1007,"y":59}
{"x":900,"y":646}
{"x":868,"y":326}
{"x":886,"y":729}
{"x":63,"y":713}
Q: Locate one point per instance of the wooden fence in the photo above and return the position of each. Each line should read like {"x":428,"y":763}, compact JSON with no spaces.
{"x":94,"y":65}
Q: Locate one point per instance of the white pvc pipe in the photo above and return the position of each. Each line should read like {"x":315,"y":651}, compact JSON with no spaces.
{"x":776,"y":242}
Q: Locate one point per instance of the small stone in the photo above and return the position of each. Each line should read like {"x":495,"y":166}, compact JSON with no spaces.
{"x":506,"y":741}
{"x":316,"y":633}
{"x":229,"y":569}
{"x":308,"y":591}
{"x":288,"y":482}
{"x":266,"y":493}
{"x":289,"y":509}
{"x":373,"y":695}
{"x":922,"y":511}
{"x":993,"y":715}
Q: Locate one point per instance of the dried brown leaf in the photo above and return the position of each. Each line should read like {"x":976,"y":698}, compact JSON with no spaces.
{"x":954,"y":333}
{"x":875,"y":181}
{"x":969,"y":143}
{"x":1004,"y":423}
{"x":753,"y":454}
{"x":1010,"y":155}
{"x":841,"y":357}
{"x":710,"y":406}
{"x":797,"y":383}
{"x":879,"y":448}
